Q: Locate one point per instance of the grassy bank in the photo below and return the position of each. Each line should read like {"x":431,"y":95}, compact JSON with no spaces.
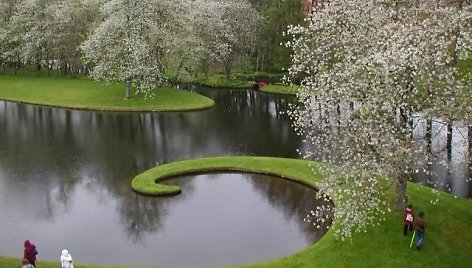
{"x":448,"y":240}
{"x":280,"y":89}
{"x":221,"y":81}
{"x":88,"y":94}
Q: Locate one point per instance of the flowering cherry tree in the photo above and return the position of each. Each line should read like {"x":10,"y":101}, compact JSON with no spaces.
{"x":366,"y":67}
{"x":127,"y":45}
{"x":27,"y":35}
{"x":226,"y":29}
{"x":70,"y":25}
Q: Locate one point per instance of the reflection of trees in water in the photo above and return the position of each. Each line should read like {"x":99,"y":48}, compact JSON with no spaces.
{"x":443,"y":148}
{"x":37,"y":152}
{"x":253,"y":124}
{"x":294,"y":199}
{"x":50,"y":151}
{"x":141,"y":215}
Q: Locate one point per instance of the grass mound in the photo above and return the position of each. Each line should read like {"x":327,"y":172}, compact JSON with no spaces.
{"x":90,"y":95}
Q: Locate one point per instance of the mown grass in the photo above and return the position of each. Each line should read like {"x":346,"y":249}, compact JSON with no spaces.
{"x":448,"y":236}
{"x":280,"y":89}
{"x":219,"y":80}
{"x":88,"y":94}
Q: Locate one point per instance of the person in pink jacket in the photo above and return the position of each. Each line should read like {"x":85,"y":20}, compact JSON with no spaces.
{"x":30,"y":252}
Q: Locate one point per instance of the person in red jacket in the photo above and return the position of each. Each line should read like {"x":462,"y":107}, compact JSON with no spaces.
{"x":408,"y":219}
{"x":30,"y":252}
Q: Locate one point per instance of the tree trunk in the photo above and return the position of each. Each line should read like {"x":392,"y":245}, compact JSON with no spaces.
{"x":401,"y":196}
{"x":38,"y":67}
{"x":449,"y":141}
{"x":257,"y":59}
{"x":228,"y":66}
{"x":262,"y":62}
{"x":179,"y":69}
{"x":429,"y":135}
{"x":128,"y":89}
{"x":469,"y":143}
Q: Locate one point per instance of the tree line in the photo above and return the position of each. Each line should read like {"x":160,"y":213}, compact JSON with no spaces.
{"x":142,"y":42}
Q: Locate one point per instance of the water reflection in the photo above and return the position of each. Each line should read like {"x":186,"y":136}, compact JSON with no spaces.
{"x":250,"y":220}
{"x":447,"y":169}
{"x":444,"y":148}
{"x":65,"y":175}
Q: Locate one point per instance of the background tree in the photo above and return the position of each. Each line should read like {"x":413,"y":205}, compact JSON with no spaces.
{"x":226,"y":30}
{"x":126,"y":46}
{"x":239,"y":35}
{"x":70,"y":26}
{"x":368,"y":67}
{"x":270,"y":54}
{"x":31,"y":28}
{"x":185,"y":52}
{"x":7,"y":9}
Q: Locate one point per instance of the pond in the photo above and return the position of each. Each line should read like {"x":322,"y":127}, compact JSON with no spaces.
{"x":65,"y":182}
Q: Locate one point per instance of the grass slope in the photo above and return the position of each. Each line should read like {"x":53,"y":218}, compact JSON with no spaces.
{"x":88,"y":94}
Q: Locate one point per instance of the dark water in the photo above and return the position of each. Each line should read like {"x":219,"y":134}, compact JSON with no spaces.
{"x":65,"y":183}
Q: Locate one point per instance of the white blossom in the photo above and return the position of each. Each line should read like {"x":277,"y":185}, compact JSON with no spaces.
{"x":128,"y":45}
{"x":384,"y":63}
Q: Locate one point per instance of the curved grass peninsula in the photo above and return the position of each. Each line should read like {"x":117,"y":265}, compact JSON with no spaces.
{"x":293,"y":169}
{"x":87,"y":94}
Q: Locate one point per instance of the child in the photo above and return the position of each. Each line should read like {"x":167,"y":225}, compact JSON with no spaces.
{"x":408,"y":219}
{"x":66,"y":259}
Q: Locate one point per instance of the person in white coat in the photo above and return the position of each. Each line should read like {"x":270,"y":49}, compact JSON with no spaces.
{"x":66,"y":259}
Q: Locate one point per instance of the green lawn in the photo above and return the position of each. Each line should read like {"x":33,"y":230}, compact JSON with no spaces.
{"x":221,"y":81}
{"x":280,"y":89}
{"x":84,"y":93}
{"x":448,"y":241}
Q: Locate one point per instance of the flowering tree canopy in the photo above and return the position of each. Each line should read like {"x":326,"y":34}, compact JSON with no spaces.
{"x":125,"y":47}
{"x":227,"y":29}
{"x":366,"y":67}
{"x":28,"y":32}
{"x":126,"y":40}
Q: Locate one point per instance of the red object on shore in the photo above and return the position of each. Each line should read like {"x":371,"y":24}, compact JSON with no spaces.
{"x":259,"y":84}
